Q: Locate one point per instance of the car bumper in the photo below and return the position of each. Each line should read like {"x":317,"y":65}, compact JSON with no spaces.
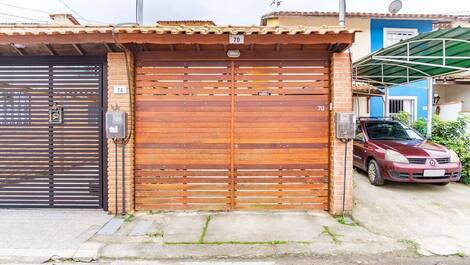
{"x":415,"y":172}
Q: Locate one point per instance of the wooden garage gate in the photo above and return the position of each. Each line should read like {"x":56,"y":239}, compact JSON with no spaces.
{"x":239,"y":134}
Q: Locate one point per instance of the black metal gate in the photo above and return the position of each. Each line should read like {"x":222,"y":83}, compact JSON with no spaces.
{"x":51,"y":149}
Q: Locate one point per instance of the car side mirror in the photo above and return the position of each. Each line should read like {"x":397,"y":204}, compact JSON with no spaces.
{"x":359,"y":140}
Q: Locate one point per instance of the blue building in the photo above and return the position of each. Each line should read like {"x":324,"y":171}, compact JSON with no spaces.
{"x":411,"y":98}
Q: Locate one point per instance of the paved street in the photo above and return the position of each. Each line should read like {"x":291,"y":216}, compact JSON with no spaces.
{"x":436,"y":219}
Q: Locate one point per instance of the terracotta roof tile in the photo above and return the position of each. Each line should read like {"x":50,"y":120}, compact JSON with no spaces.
{"x":186,"y":22}
{"x":21,"y":29}
{"x":365,"y":14}
{"x":360,"y":88}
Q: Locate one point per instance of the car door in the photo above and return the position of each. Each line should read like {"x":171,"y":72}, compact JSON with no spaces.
{"x":358,"y":149}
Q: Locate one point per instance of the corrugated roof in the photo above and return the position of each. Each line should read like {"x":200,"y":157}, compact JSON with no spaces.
{"x":365,"y":14}
{"x":21,"y":29}
{"x":433,"y":54}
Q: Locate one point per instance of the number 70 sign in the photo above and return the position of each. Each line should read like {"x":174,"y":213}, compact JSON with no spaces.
{"x":236,"y":39}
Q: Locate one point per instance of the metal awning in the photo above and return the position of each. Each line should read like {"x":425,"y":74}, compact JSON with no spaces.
{"x":432,"y":54}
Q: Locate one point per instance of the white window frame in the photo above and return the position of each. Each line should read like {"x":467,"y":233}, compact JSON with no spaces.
{"x":415,"y":103}
{"x":414,"y":31}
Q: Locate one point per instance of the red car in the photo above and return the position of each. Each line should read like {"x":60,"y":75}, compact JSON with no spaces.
{"x":389,"y":150}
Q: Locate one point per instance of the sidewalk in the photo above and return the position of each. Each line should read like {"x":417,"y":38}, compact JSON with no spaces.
{"x":238,"y":235}
{"x":92,"y":235}
{"x":36,"y":235}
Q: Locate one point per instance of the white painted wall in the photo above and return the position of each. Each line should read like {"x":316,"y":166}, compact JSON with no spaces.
{"x":360,"y":106}
{"x":452,"y":93}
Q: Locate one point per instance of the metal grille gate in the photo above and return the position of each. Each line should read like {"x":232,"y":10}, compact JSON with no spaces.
{"x":219,"y":135}
{"x":46,"y":165}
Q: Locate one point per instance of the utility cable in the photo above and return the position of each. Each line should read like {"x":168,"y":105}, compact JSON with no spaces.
{"x":78,"y":15}
{"x":11,"y":19}
{"x":26,"y":8}
{"x":73,"y":11}
{"x":27,"y":18}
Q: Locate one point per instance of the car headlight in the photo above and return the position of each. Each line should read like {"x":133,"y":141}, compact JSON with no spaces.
{"x":454,"y":158}
{"x":396,"y":157}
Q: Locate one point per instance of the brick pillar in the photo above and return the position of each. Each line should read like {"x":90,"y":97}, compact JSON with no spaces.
{"x":341,"y":98}
{"x":117,"y":75}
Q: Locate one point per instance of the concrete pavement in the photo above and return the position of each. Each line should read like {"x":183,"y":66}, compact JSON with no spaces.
{"x":435,"y":219}
{"x":37,"y":235}
{"x":241,"y":235}
{"x":311,"y":260}
{"x":395,"y":221}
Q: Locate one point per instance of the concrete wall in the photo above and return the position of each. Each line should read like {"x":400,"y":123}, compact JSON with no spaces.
{"x":453,"y":93}
{"x":417,"y":89}
{"x":361,"y":46}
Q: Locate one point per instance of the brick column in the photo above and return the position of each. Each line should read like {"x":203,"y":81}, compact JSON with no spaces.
{"x":117,"y":75}
{"x":341,"y":98}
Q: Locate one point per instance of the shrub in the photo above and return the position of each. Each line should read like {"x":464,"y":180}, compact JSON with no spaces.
{"x":403,"y":117}
{"x":454,"y":135}
{"x":421,"y":126}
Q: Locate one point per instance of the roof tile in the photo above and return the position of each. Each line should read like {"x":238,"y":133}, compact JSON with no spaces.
{"x":20,"y":29}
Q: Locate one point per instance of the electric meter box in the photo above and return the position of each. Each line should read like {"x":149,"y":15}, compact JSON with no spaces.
{"x":345,"y":125}
{"x":116,"y":123}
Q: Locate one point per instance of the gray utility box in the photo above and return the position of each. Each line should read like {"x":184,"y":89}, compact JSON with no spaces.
{"x":116,"y":124}
{"x":345,"y":125}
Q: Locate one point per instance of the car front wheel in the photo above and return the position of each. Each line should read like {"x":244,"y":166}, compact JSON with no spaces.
{"x":373,"y":172}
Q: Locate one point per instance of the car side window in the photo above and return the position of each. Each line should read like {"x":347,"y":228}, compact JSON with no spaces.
{"x":359,"y":133}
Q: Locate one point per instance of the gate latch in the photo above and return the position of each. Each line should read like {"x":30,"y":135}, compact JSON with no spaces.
{"x":56,"y":114}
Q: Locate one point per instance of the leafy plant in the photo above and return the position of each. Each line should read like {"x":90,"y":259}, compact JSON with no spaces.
{"x":454,"y":135}
{"x":421,"y":126}
{"x":403,"y":117}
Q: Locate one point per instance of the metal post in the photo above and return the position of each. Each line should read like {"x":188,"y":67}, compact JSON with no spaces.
{"x":139,"y":12}
{"x":430,"y":110}
{"x":386,"y":103}
{"x":342,"y":13}
{"x":123,"y":148}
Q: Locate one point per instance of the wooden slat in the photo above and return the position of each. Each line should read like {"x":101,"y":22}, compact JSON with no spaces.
{"x":207,"y":139}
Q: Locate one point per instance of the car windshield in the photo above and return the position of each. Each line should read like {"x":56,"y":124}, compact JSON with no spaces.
{"x":391,"y":131}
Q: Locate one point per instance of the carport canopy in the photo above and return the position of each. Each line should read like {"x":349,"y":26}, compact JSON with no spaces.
{"x":428,"y":55}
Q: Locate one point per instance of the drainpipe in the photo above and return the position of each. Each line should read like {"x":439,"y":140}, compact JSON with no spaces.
{"x":430,"y":110}
{"x":386,"y":103}
{"x":342,"y":13}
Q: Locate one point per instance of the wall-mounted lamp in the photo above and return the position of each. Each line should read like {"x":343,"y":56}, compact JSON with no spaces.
{"x":233,"y":53}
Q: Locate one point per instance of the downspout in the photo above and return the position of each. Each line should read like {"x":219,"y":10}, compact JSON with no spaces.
{"x":430,"y":107}
{"x":386,"y":103}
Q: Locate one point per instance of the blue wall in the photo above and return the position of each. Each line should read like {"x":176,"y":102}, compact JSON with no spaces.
{"x":417,"y":89}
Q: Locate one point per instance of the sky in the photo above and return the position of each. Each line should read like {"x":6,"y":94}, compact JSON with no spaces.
{"x":223,"y":12}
